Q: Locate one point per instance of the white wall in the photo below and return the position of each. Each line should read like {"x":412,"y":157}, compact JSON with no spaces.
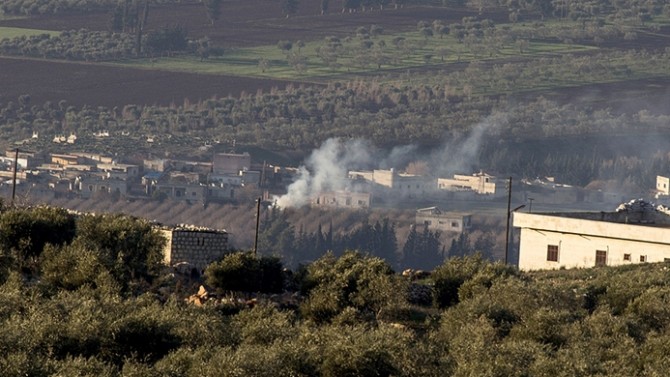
{"x":578,"y":240}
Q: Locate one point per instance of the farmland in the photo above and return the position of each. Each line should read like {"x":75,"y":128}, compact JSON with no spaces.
{"x":420,"y":74}
{"x":248,"y":32}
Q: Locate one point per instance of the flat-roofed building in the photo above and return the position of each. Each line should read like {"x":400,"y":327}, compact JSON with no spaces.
{"x":637,"y":232}
{"x":444,"y":221}
{"x":342,"y":199}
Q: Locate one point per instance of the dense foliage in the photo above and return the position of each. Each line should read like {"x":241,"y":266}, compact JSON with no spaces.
{"x":354,"y":318}
{"x":36,"y":7}
{"x":422,"y":249}
{"x":100,"y":45}
{"x":73,"y":251}
{"x":391,"y":115}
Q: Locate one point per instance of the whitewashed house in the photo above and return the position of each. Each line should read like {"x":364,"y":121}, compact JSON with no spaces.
{"x":637,"y":232}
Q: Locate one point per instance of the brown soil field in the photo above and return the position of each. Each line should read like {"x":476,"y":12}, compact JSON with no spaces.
{"x":254,"y":22}
{"x":243,"y":23}
{"x":100,"y":85}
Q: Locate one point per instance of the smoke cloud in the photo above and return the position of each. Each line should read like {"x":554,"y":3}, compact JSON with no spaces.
{"x":459,"y":155}
{"x":327,"y":167}
{"x":326,"y":170}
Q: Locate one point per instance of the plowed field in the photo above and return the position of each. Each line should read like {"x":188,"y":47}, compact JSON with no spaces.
{"x":243,"y":23}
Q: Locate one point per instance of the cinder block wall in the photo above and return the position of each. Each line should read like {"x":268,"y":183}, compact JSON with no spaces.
{"x":195,"y":247}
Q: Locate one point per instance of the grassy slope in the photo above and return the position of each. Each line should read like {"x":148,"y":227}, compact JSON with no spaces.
{"x":244,"y":61}
{"x":13,"y":32}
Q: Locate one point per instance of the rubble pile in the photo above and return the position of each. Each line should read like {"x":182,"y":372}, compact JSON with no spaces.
{"x":236,"y":301}
{"x":637,"y":205}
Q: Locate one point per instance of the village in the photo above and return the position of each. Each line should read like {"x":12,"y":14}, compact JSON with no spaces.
{"x":230,"y":177}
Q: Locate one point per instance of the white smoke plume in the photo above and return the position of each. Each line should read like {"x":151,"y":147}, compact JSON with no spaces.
{"x":459,"y":155}
{"x":327,"y":167}
{"x":326,"y":170}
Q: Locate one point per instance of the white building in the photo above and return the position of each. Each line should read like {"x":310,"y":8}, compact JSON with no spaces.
{"x":444,"y":221}
{"x":342,"y":199}
{"x":636,"y":233}
{"x":662,"y":186}
{"x":394,"y":183}
{"x":481,"y":183}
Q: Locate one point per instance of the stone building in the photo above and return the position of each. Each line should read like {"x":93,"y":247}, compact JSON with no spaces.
{"x":198,"y":247}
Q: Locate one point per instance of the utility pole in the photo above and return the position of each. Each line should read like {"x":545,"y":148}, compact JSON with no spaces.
{"x":16,"y":164}
{"x":509,"y":213}
{"x":258,"y":223}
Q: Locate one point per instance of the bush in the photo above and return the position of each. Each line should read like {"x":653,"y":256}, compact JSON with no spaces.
{"x":367,"y":284}
{"x":449,"y":277}
{"x":244,"y":272}
{"x":25,"y":232}
{"x":70,"y":266}
{"x":130,"y":248}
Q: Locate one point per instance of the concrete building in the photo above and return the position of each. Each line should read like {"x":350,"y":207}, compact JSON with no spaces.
{"x":662,"y":186}
{"x":66,"y":159}
{"x":391,"y":182}
{"x":88,"y":186}
{"x":480,"y":183}
{"x":94,"y":157}
{"x":158,"y":165}
{"x":231,"y":163}
{"x":196,"y":246}
{"x":183,"y":191}
{"x":124,"y":171}
{"x":342,"y":199}
{"x":436,"y":219}
{"x":636,"y":232}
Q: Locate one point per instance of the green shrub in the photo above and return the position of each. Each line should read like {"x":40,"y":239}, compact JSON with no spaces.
{"x":130,"y":248}
{"x":367,"y":284}
{"x":244,"y":272}
{"x":25,"y":232}
{"x":263,"y":325}
{"x":70,"y":266}
{"x":450,"y":276}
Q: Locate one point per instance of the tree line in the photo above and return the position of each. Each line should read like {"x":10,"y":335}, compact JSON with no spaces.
{"x":98,"y":46}
{"x":83,"y":300}
{"x":387,"y":115}
{"x":422,"y":249}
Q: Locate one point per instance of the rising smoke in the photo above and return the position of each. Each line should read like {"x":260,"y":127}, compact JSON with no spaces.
{"x":327,"y":167}
{"x":326,"y":170}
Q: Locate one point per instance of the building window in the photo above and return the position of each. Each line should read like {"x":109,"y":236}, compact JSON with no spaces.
{"x":552,"y":253}
{"x":643,"y":258}
{"x":601,"y":258}
{"x":454,"y":224}
{"x":626,"y":257}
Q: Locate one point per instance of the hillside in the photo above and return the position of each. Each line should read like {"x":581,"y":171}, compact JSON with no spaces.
{"x":68,"y":309}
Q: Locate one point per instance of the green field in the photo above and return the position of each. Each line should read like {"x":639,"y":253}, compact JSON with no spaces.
{"x":13,"y":32}
{"x":421,"y":52}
